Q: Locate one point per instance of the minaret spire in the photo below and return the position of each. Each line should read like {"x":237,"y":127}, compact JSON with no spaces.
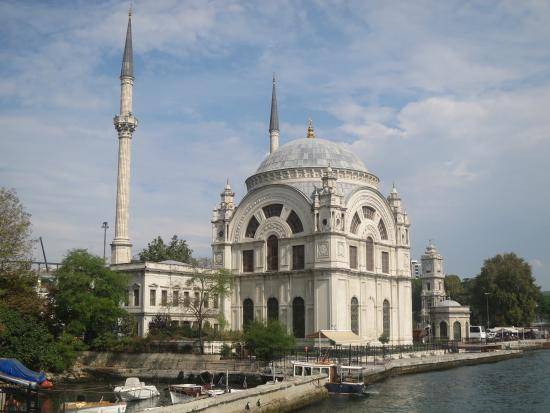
{"x":125,"y":124}
{"x":274,"y":121}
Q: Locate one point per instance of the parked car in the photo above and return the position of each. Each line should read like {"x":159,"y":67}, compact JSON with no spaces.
{"x":477,"y":333}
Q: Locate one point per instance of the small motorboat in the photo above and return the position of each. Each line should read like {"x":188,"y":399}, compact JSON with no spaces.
{"x":180,"y":393}
{"x":94,"y":407}
{"x":134,"y":389}
{"x":350,"y":382}
{"x":13,"y":371}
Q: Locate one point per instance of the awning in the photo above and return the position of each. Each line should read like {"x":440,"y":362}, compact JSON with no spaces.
{"x":338,"y":337}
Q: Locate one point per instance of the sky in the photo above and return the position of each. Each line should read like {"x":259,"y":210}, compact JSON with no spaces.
{"x":448,"y":99}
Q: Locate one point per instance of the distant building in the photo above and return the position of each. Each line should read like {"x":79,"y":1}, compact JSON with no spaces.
{"x":416,"y":269}
{"x":440,"y":317}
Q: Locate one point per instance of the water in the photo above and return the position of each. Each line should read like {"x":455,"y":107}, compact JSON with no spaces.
{"x":515,"y":385}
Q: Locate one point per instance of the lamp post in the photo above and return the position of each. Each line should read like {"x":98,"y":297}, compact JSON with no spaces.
{"x":105,"y":226}
{"x":487,"y":306}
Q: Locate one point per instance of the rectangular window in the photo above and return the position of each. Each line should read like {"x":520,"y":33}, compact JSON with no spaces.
{"x":164,"y":298}
{"x":205,"y":299}
{"x":216,"y":301}
{"x":197,"y":299}
{"x":127,"y":298}
{"x":175,"y":298}
{"x":152,"y":298}
{"x":136,"y":297}
{"x":248,"y":261}
{"x":186,"y":299}
{"x":186,"y":324}
{"x":386,"y":262}
{"x":298,"y":257}
{"x":353,"y":257}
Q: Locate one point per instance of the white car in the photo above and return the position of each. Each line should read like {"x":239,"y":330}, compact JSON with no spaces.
{"x":477,"y":333}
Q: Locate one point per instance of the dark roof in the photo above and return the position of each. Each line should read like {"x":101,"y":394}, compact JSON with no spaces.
{"x":128,"y":57}
{"x":274,"y":120}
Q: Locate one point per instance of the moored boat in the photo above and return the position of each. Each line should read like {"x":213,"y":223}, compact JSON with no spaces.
{"x":180,"y":393}
{"x":13,"y":371}
{"x":134,"y":389}
{"x":341,"y":379}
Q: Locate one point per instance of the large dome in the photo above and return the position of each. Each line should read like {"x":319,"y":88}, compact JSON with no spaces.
{"x":304,"y":153}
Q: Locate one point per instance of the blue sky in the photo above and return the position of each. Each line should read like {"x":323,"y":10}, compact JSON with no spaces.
{"x":449,"y":99}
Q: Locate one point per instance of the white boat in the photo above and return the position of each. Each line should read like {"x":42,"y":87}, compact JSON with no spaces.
{"x":134,"y":389}
{"x":94,"y":407}
{"x":180,"y":393}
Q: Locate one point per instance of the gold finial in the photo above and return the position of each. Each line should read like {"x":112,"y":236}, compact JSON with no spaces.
{"x":310,"y":133}
{"x":130,"y":9}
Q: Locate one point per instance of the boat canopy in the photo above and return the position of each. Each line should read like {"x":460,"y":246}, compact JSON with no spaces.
{"x":16,"y":369}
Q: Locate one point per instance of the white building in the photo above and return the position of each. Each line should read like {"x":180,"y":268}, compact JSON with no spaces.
{"x":416,"y":269}
{"x":313,"y":243}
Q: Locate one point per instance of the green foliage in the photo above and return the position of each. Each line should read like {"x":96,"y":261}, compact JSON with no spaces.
{"x":15,"y":230}
{"x":88,"y":296}
{"x":384,"y":339}
{"x":29,"y":341}
{"x":157,"y":251}
{"x":416,"y":284}
{"x":266,"y":340}
{"x":225,"y":352}
{"x":513,"y":294}
{"x":544,"y":305}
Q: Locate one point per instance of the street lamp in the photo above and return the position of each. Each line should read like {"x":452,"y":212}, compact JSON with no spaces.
{"x":105,"y":226}
{"x":487,"y":306}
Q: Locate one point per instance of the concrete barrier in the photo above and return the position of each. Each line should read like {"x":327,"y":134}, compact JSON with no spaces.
{"x":281,"y":397}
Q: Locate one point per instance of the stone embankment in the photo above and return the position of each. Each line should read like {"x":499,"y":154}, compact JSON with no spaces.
{"x":285,"y":396}
{"x":161,"y":366}
{"x":411,"y":365}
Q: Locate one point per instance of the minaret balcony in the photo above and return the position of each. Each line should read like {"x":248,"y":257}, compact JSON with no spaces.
{"x":125,"y":123}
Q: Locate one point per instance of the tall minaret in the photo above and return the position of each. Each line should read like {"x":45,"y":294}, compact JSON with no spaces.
{"x":125,"y":124}
{"x":274,"y":122}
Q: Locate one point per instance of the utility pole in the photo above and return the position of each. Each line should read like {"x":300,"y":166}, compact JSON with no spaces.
{"x":105,"y":227}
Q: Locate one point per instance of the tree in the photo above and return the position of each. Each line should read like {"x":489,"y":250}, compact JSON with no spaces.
{"x":457,"y":289}
{"x":416,"y":298}
{"x":544,"y":305}
{"x":88,"y":295}
{"x":513,"y":294}
{"x":157,"y":251}
{"x":28,"y":340}
{"x":17,"y":281}
{"x":266,"y":340}
{"x":208,"y":288}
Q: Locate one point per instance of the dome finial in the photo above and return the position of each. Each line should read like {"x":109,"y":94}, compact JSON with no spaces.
{"x":310,"y":132}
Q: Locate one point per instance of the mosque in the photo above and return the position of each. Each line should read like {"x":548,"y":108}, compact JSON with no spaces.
{"x":314,"y":243}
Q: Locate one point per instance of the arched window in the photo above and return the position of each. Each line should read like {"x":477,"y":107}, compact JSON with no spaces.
{"x":370,"y":254}
{"x":273,"y":210}
{"x":368,"y":212}
{"x":251,"y":228}
{"x":443,"y":330}
{"x":299,"y":317}
{"x":382,"y":230}
{"x":355,"y":222}
{"x":294,"y":222}
{"x":272,"y":309}
{"x":457,"y":334}
{"x":386,"y":318}
{"x":272,"y":253}
{"x":248,"y":312}
{"x":354,"y":312}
